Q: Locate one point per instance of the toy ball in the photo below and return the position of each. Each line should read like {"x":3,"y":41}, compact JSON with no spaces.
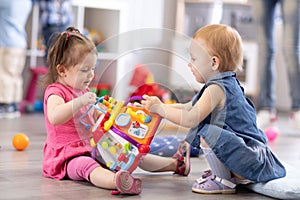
{"x":20,"y":141}
{"x":272,"y":133}
{"x":38,"y":106}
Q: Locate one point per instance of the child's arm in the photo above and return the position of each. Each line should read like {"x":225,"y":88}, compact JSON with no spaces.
{"x":213,"y":97}
{"x":59,"y":111}
{"x":185,"y":106}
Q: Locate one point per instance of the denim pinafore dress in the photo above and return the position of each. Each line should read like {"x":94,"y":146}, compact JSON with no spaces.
{"x":231,"y":132}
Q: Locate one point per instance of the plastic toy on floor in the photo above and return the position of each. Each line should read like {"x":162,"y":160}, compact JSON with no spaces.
{"x":20,"y":141}
{"x":272,"y":133}
{"x":122,"y":134}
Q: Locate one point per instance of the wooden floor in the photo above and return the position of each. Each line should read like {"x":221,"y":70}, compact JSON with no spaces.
{"x":21,"y":171}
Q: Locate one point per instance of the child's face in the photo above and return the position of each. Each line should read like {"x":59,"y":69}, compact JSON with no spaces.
{"x":200,"y":63}
{"x":81,"y":75}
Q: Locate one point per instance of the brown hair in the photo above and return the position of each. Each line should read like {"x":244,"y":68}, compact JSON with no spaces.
{"x":68,"y":49}
{"x":223,"y":42}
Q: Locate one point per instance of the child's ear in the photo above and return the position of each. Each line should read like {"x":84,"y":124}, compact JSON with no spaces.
{"x":61,"y":70}
{"x":215,"y":62}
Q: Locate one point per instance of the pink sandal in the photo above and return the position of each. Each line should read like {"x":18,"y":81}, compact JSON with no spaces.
{"x":209,"y":183}
{"x":127,"y":184}
{"x":182,"y":155}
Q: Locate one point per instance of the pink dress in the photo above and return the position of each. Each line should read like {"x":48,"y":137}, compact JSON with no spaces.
{"x":67,"y":140}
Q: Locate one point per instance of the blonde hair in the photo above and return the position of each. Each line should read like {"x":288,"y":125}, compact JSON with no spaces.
{"x":223,"y":42}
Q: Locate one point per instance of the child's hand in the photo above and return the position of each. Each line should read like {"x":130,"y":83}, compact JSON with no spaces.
{"x":151,"y":103}
{"x":88,"y":98}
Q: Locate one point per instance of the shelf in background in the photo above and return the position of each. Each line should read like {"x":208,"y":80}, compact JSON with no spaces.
{"x":101,"y":55}
{"x":100,"y":4}
{"x":35,"y":52}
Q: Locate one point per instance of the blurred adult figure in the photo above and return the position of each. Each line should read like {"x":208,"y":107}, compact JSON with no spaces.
{"x":55,"y":17}
{"x":265,"y":16}
{"x":13,"y":44}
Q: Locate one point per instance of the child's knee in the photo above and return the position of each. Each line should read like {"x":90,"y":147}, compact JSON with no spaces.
{"x":80,"y":167}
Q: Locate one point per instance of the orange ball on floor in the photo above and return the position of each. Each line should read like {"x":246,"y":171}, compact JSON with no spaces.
{"x":20,"y":141}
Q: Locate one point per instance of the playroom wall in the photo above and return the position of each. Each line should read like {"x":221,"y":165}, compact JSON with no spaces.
{"x":162,"y":73}
{"x":148,"y":18}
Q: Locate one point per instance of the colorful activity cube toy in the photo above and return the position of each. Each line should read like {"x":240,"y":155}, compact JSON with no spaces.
{"x":122,"y":134}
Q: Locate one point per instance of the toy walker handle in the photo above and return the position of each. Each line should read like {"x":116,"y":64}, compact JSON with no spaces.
{"x":133,"y":98}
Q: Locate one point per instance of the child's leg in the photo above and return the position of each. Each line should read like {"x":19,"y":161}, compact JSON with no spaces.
{"x":217,"y":167}
{"x":154,"y":163}
{"x":218,"y":180}
{"x":86,"y":168}
{"x":215,"y":164}
{"x":179,"y":163}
